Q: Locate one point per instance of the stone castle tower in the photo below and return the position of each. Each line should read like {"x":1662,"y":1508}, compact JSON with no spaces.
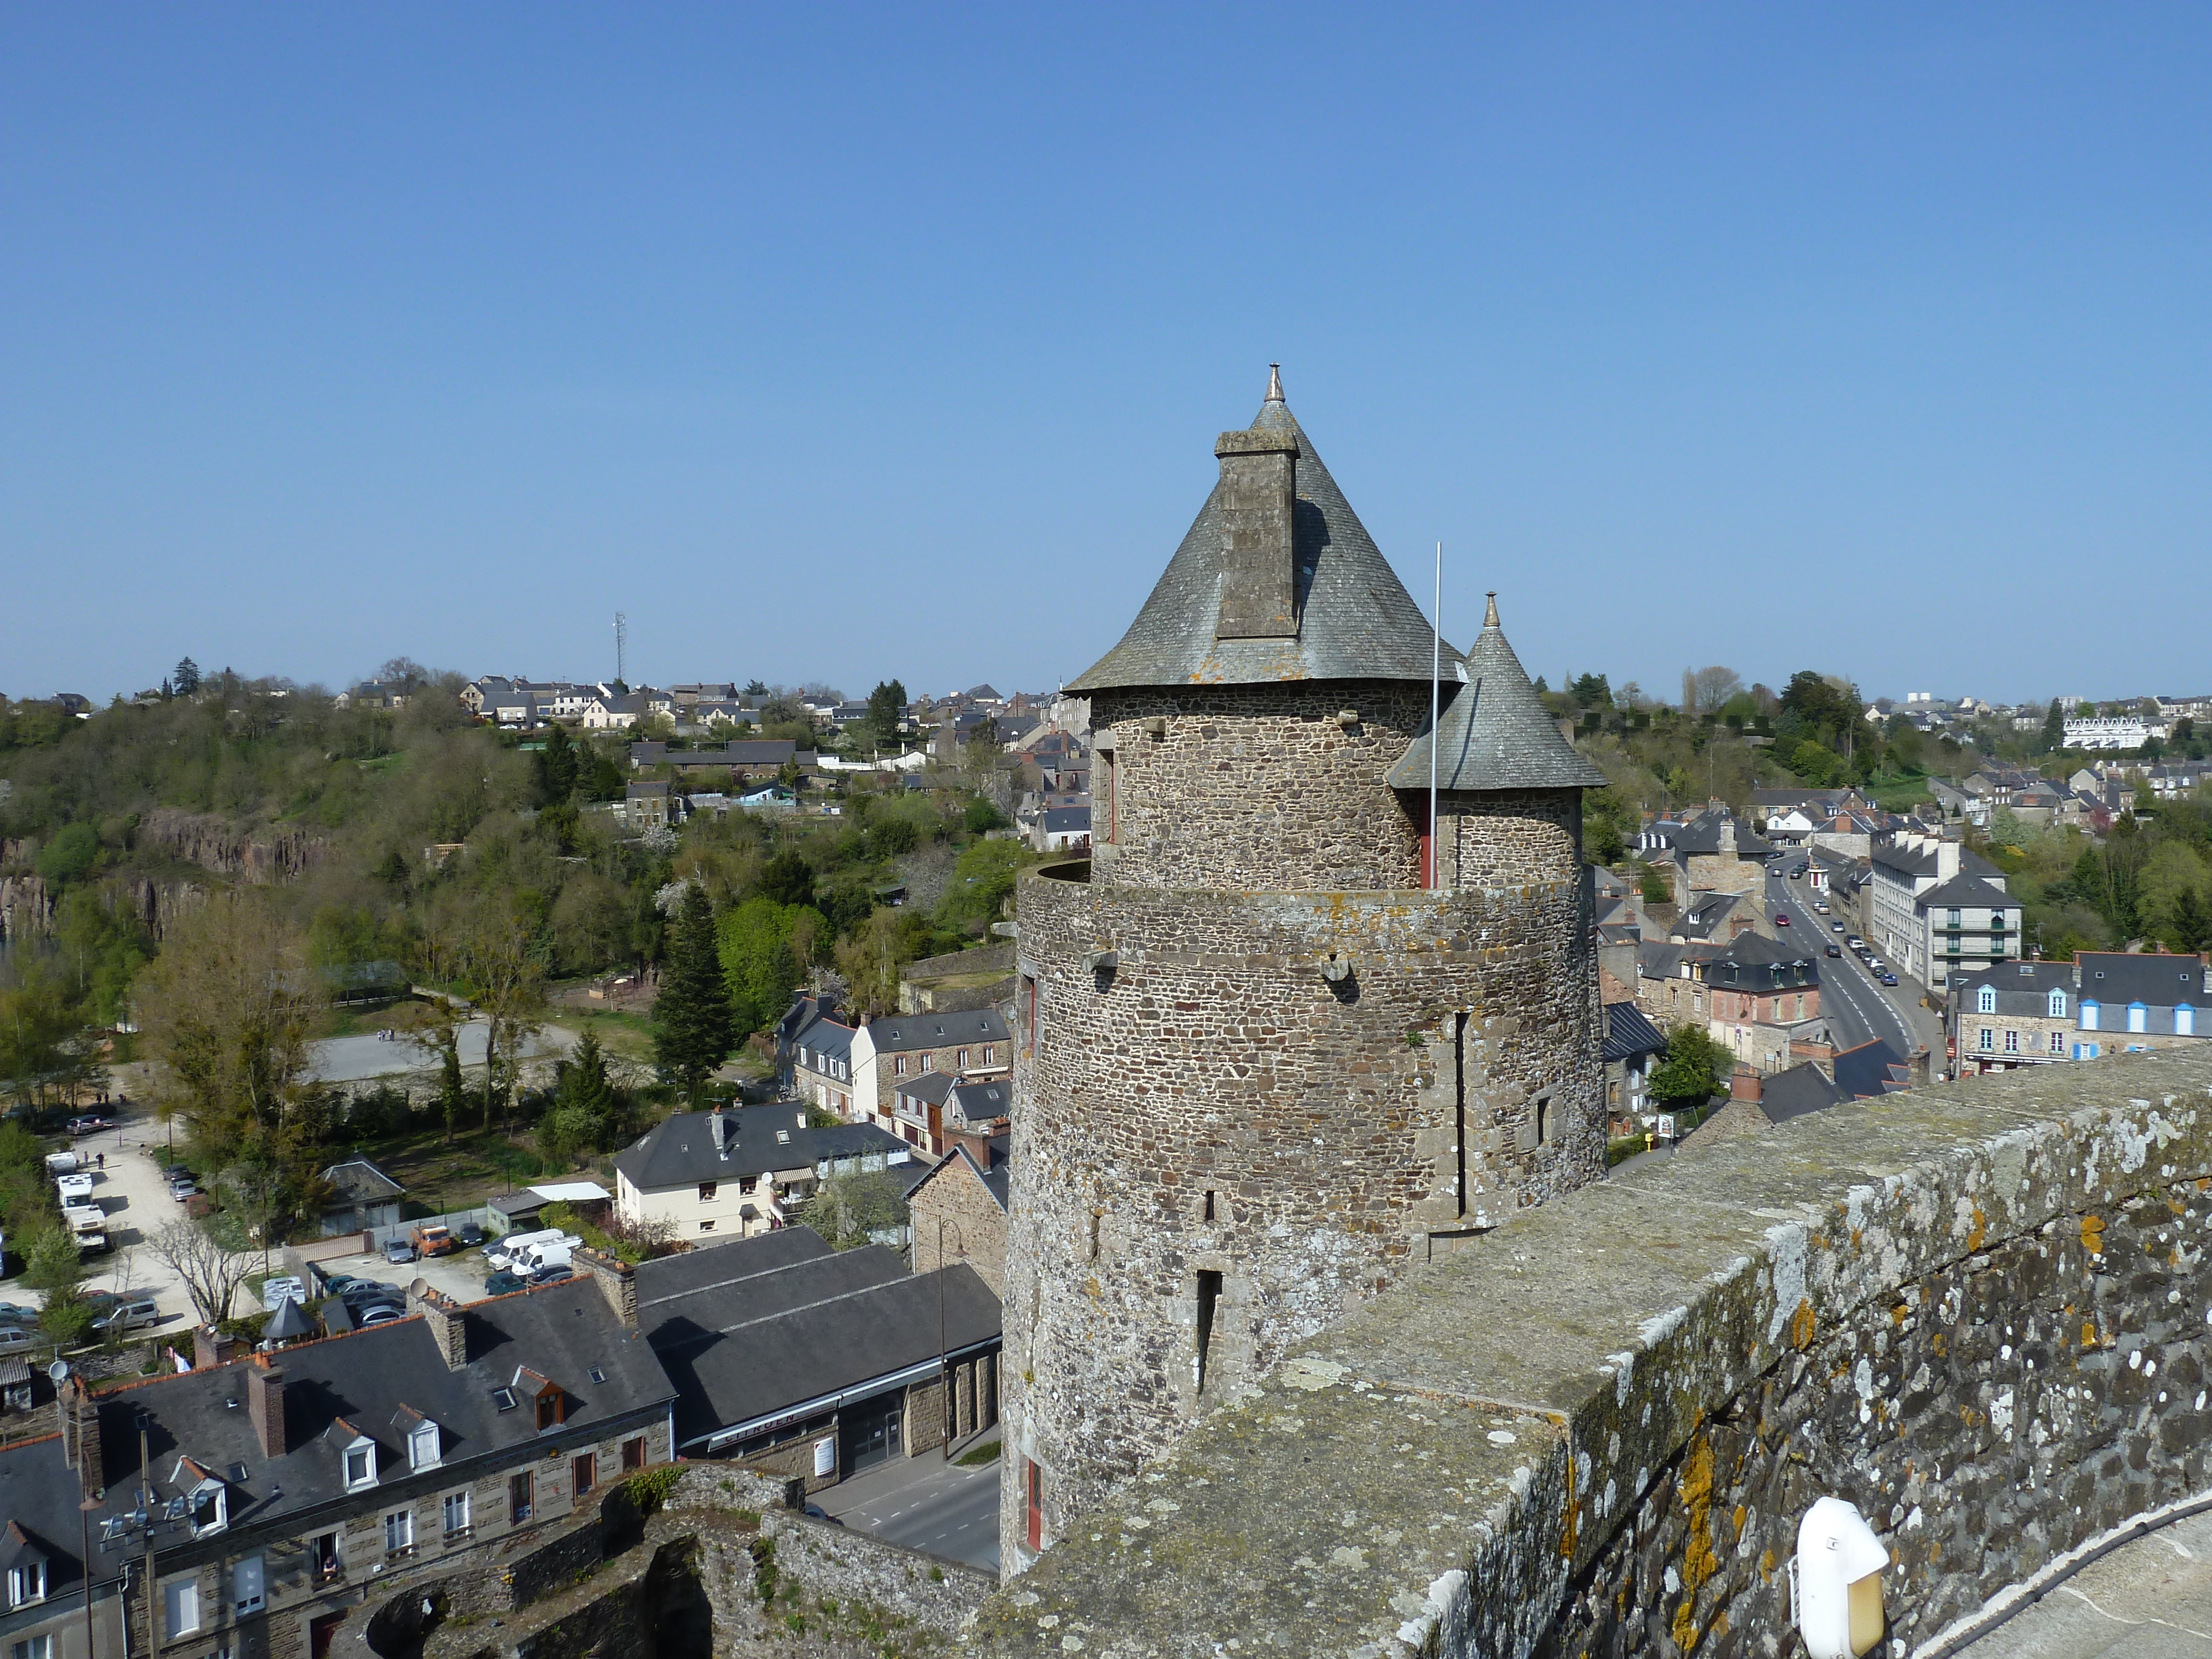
{"x":1263,"y":1065}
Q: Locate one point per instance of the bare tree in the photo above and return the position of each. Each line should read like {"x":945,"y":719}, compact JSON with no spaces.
{"x":212,"y":1274}
{"x":508,"y":983}
{"x":1715,"y":686}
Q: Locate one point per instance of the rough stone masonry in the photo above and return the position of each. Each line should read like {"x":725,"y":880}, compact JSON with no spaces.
{"x":1980,"y":1312}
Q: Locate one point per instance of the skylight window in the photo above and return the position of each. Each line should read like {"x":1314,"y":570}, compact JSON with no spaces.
{"x":504,"y":1399}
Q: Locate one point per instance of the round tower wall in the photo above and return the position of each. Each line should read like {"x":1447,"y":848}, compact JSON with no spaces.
{"x":1290,"y":795}
{"x":1503,"y":837}
{"x":1328,"y":1120}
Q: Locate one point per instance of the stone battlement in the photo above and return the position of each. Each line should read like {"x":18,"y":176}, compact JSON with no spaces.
{"x":1978,"y":1311}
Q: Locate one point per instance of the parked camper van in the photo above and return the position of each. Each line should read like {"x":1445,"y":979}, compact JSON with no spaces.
{"x":502,"y":1253}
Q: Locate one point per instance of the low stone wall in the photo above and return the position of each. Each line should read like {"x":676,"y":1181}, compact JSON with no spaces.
{"x":1978,"y":1311}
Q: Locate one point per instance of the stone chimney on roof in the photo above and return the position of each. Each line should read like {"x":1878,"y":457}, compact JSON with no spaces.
{"x":1744,"y":1083}
{"x":442,"y":1316}
{"x":1259,"y":506}
{"x":264,"y":1403}
{"x":616,"y":1280}
{"x":80,"y":1415}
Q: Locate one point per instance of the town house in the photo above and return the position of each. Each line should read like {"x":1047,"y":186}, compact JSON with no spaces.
{"x":1940,"y":908}
{"x":732,"y":1174}
{"x":288,"y":1489}
{"x":888,"y":1051}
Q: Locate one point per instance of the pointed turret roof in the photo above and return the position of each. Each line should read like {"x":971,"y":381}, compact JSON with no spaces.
{"x":1355,"y":620}
{"x":1495,"y":735}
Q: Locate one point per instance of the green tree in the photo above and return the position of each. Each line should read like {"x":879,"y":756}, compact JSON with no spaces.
{"x":1591,"y":691}
{"x":1695,"y":1068}
{"x":69,"y":853}
{"x":588,"y":1113}
{"x":53,"y":1264}
{"x":788,"y":879}
{"x":186,"y":678}
{"x":2054,"y":727}
{"x":693,"y":1028}
{"x":981,"y":816}
{"x":2189,"y":920}
{"x":982,"y":881}
{"x":1655,"y":885}
{"x":558,"y":768}
{"x":104,"y":946}
{"x":847,"y":1210}
{"x":764,"y":948}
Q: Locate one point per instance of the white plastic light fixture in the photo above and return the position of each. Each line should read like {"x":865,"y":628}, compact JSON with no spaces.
{"x":1835,"y":1582}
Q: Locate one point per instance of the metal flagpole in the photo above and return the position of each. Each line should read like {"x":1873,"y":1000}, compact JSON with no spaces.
{"x":1436,"y":737}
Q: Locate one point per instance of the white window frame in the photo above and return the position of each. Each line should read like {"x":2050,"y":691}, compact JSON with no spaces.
{"x":210,"y":1495}
{"x":2090,"y":1013}
{"x":2058,"y":1005}
{"x":1987,"y":1040}
{"x":180,"y":1607}
{"x":27,"y":1585}
{"x":399,"y":1523}
{"x":2138,"y":1016}
{"x":249,"y":1585}
{"x":33,"y":1647}
{"x":455,"y":1503}
{"x":2184,"y":1020}
{"x":365,"y":1449}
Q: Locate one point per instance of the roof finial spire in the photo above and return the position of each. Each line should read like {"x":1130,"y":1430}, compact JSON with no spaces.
{"x":1274,"y":383}
{"x":1490,"y":616}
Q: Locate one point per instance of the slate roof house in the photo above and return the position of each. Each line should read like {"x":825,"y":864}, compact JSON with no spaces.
{"x":816,"y":1050}
{"x":941,"y":1106}
{"x":294,"y":1486}
{"x":736,"y":1173}
{"x":960,"y":1209}
{"x":2126,"y":1003}
{"x":361,"y":1196}
{"x":1940,"y":908}
{"x":819,"y":1364}
{"x":972,"y":1042}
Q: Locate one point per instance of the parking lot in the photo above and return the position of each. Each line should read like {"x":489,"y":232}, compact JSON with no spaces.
{"x":461,"y":1275}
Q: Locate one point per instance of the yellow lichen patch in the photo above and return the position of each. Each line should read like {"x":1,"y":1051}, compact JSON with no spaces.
{"x":1092,"y":1288}
{"x":2175,"y":1203}
{"x":1979,"y":1230}
{"x":1766,"y":1565}
{"x":1742,"y":1518}
{"x":1802,"y":1325}
{"x":1719,"y":1626}
{"x":1896,"y":1312}
{"x":1939,"y":1342}
{"x":2088,"y":1336}
{"x":1686,"y":1627}
{"x":1699,"y":1563}
{"x":2093,"y":1234}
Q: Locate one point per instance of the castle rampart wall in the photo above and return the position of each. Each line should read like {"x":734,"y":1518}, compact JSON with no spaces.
{"x":1978,"y":1311}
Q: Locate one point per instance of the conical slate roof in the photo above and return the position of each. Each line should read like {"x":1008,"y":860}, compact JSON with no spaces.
{"x":1355,"y":618}
{"x":289,"y":1320}
{"x":1495,"y":734}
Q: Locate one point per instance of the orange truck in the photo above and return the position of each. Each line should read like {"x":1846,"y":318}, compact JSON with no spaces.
{"x":432,"y":1241}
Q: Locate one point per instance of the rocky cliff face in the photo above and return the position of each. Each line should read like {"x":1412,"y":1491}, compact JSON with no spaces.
{"x":216,"y":845}
{"x":27,"y":907}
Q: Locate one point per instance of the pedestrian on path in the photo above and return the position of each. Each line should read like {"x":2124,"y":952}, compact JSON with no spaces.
{"x":100,"y":1160}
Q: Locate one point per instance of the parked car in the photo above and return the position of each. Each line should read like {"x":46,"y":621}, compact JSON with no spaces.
{"x":469,"y":1235}
{"x":371,"y":1290}
{"x":183,"y":1188}
{"x":1835,"y":950}
{"x":340,"y":1283}
{"x":399,"y":1251}
{"x":504,"y":1283}
{"x":432,"y":1240}
{"x":815,"y":1512}
{"x":89,"y":1126}
{"x":75,"y":1188}
{"x":14,"y":1314}
{"x":1835,"y":926}
{"x":1889,"y":979}
{"x":379,"y":1315}
{"x":551,"y":1275}
{"x":126,"y":1314}
{"x":13,"y":1339}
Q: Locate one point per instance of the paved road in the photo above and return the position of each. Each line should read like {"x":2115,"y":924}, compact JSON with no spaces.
{"x":925,"y":1503}
{"x":1858,"y":1006}
{"x":2151,"y":1599}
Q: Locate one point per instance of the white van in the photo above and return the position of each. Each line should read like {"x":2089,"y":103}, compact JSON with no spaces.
{"x":546,"y":1253}
{"x":506,"y":1252}
{"x":62,"y":1163}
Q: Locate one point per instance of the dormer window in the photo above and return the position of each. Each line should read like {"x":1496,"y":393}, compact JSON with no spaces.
{"x":547,"y":1402}
{"x":204,"y":1500}
{"x":2058,"y":1005}
{"x":1985,"y":1000}
{"x":359,"y":1457}
{"x":27,"y":1582}
{"x":423,"y":1448}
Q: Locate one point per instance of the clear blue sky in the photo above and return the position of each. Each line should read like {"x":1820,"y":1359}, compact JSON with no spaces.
{"x":840,"y":344}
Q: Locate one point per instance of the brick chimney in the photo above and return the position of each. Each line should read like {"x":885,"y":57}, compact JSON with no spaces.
{"x":264,"y":1403}
{"x":1259,"y":504}
{"x":80,"y":1415}
{"x":617,"y":1282}
{"x":210,"y":1348}
{"x":1744,"y":1083}
{"x":442,"y":1316}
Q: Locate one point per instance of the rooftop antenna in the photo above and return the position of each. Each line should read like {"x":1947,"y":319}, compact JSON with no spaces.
{"x":621,"y":642}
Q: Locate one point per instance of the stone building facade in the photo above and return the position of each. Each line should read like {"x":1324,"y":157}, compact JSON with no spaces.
{"x":1264,"y":1064}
